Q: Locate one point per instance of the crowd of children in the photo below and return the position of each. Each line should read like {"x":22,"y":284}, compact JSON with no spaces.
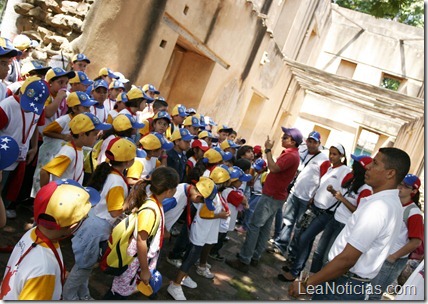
{"x":100,"y":152}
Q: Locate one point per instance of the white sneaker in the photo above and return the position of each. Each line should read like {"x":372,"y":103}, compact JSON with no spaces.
{"x":86,"y":298}
{"x":11,"y":214}
{"x":188,"y":282}
{"x":176,"y":292}
{"x":205,"y":272}
{"x":206,"y":265}
{"x":175,"y":262}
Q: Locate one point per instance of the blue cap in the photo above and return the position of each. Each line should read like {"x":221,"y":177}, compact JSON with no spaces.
{"x":82,"y":78}
{"x":80,"y":57}
{"x":191,"y":111}
{"x":166,"y":145}
{"x":9,"y":151}
{"x":140,"y":152}
{"x":148,"y":98}
{"x":184,"y":135}
{"x":100,"y":83}
{"x":259,"y":164}
{"x":34,"y":96}
{"x":225,"y":155}
{"x":237,"y":173}
{"x":97,"y":123}
{"x":315,"y":135}
{"x":7,"y":48}
{"x":412,"y":181}
{"x":117,"y":84}
{"x":162,"y":115}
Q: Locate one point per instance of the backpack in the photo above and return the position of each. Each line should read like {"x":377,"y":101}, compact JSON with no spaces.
{"x":115,"y":259}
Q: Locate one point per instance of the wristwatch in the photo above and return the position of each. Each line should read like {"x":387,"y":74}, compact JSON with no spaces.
{"x":268,"y":150}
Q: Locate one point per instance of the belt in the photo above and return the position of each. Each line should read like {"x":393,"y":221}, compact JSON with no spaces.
{"x":353,"y":276}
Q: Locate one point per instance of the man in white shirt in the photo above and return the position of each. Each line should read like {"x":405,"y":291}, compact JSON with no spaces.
{"x":361,"y":248}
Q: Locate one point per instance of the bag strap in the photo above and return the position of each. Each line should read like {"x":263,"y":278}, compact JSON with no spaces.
{"x":311,"y":158}
{"x":407,"y":210}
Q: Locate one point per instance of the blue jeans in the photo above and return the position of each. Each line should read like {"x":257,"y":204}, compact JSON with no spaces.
{"x":342,"y":288}
{"x":278,"y":223}
{"x":292,"y":214}
{"x":192,"y":255}
{"x":259,"y":229}
{"x":331,"y":231}
{"x":387,"y":274}
{"x":301,"y":244}
{"x":248,"y":213}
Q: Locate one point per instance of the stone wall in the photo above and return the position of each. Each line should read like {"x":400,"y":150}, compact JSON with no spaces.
{"x":55,"y":24}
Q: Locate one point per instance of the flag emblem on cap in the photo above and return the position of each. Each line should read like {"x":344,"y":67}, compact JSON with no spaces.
{"x":83,"y":97}
{"x":80,"y":56}
{"x":57,"y":70}
{"x":82,"y":77}
{"x":31,"y":93}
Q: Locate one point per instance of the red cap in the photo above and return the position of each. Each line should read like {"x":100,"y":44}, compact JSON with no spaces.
{"x":201,"y":144}
{"x":257,"y":149}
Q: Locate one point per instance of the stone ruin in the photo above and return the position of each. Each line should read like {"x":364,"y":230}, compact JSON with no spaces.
{"x":54,"y":23}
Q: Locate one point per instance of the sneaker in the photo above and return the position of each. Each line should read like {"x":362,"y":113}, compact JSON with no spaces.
{"x":175,"y":262}
{"x":11,"y":214}
{"x":205,"y":272}
{"x":188,"y":282}
{"x":238,"y":265}
{"x":86,"y":298}
{"x":206,"y":265}
{"x":217,"y":257}
{"x":176,"y":292}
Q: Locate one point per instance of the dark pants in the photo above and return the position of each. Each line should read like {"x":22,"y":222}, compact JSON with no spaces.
{"x":192,"y":255}
{"x":220,"y":242}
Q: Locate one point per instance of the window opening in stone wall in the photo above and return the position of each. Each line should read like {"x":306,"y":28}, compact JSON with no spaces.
{"x":366,"y":143}
{"x":324,"y":132}
{"x":346,"y":68}
{"x":391,"y":82}
{"x":251,"y":115}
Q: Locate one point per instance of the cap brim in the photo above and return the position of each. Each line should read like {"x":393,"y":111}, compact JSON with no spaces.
{"x":89,"y":103}
{"x":103,"y":126}
{"x":11,"y":53}
{"x":141,"y":153}
{"x":205,"y":149}
{"x":245,"y":178}
{"x":41,"y":71}
{"x":87,"y":82}
{"x":187,"y":137}
{"x":94,"y":195}
{"x":227,"y":156}
{"x":214,"y":139}
{"x":257,"y":168}
{"x":137,"y":125}
{"x":148,"y":98}
{"x":9,"y":151}
{"x":169,"y":203}
{"x":168,"y":146}
{"x":112,"y":75}
{"x":316,"y":139}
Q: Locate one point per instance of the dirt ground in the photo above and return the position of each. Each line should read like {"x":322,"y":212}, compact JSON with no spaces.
{"x":260,"y":283}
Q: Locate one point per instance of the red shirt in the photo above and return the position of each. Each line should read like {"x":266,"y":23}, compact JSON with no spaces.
{"x":276,"y":183}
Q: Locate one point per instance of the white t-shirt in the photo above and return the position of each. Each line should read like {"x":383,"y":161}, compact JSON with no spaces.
{"x":174,"y":214}
{"x":100,"y":112}
{"x":342,"y":213}
{"x":205,"y":231}
{"x":75,"y":169}
{"x":334,"y":176}
{"x":101,"y":209}
{"x":39,"y":265}
{"x":372,"y":229}
{"x":109,"y":104}
{"x":309,"y":178}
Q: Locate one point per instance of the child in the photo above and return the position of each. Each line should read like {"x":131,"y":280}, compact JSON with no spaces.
{"x":192,"y":124}
{"x":260,"y":168}
{"x":124,"y":125}
{"x":150,"y":231}
{"x":35,"y":270}
{"x":198,"y":237}
{"x":99,"y":92}
{"x":208,"y":137}
{"x":136,"y":102}
{"x":118,"y":107}
{"x":198,"y":148}
{"x":19,"y":118}
{"x":177,"y":156}
{"x":223,"y":132}
{"x":232,"y":135}
{"x":234,"y":198}
{"x":68,"y":163}
{"x":55,"y":105}
{"x":57,"y":133}
{"x":143,"y":167}
{"x":80,"y":82}
{"x":115,"y":88}
{"x":107,"y":75}
{"x":229,"y":146}
{"x":178,"y":114}
{"x":7,"y":52}
{"x":108,"y":178}
{"x":79,"y":62}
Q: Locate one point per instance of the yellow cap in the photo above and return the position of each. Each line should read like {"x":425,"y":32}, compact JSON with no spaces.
{"x":220,"y":175}
{"x":121,"y":150}
{"x":135,"y":93}
{"x":150,"y":142}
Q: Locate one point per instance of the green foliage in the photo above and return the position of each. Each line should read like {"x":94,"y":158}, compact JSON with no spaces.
{"x":390,"y":83}
{"x":410,"y":12}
